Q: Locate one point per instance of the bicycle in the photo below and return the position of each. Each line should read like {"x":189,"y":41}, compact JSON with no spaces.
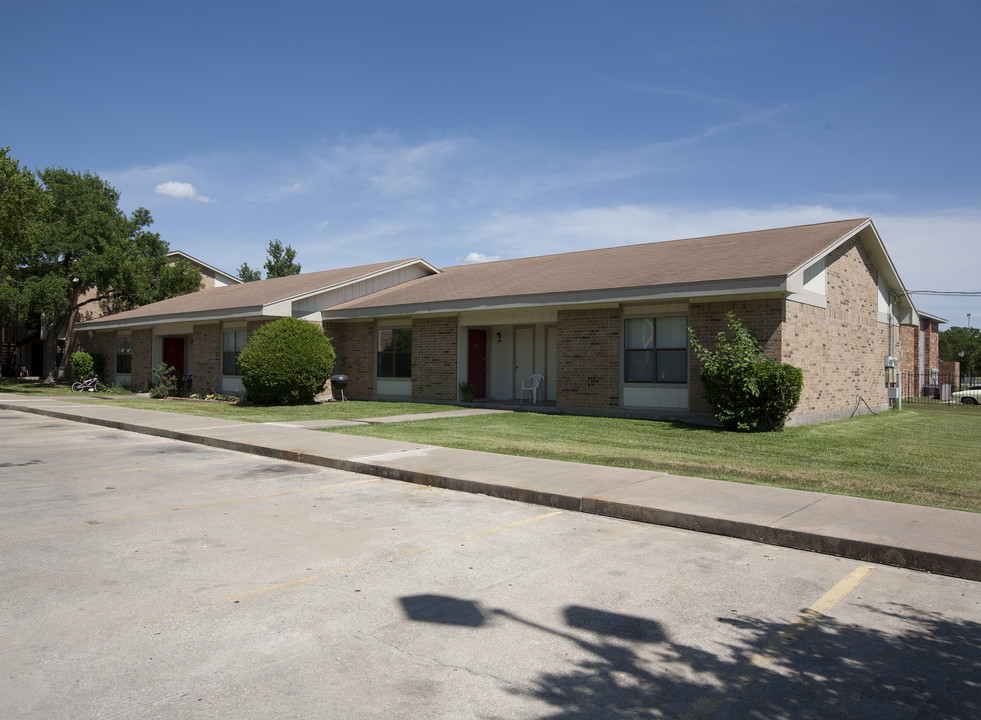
{"x":90,"y":385}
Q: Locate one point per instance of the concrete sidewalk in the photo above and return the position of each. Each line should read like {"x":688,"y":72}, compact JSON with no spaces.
{"x":946,"y":542}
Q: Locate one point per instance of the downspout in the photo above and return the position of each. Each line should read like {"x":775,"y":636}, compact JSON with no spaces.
{"x":896,"y":370}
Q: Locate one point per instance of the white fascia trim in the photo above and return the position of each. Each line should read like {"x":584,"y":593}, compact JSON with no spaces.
{"x":806,"y":297}
{"x":835,"y":245}
{"x":144,"y":322}
{"x":935,"y":318}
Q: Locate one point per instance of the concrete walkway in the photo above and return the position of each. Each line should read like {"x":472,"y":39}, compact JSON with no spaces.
{"x":947,"y":542}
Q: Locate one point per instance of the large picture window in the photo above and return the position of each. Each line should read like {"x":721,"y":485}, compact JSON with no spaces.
{"x":655,"y":350}
{"x":232,"y":343}
{"x":395,"y":353}
{"x":124,"y":354}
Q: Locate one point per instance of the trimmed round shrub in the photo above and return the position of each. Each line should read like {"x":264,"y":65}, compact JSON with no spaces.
{"x":83,"y":365}
{"x":286,"y":362}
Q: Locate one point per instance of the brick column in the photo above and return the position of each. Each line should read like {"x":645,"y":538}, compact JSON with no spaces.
{"x":434,"y":359}
{"x":354,"y":348}
{"x":588,"y":353}
{"x":206,"y":358}
{"x":142,"y":368}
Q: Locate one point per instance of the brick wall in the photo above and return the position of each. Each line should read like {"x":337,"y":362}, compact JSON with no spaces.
{"x":205,"y":358}
{"x":100,"y":343}
{"x":354,"y":346}
{"x":841,"y":348}
{"x":588,"y":348}
{"x":909,"y":349}
{"x":931,"y":345}
{"x":763,"y":317}
{"x":252,"y":325}
{"x":912,"y":338}
{"x":434,"y":359}
{"x":951,"y":370}
{"x":142,"y":367}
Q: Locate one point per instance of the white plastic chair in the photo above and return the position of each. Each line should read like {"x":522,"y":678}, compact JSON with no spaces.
{"x":531,"y":385}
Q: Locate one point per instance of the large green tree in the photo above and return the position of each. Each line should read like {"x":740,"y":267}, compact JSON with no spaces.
{"x":280,"y":262}
{"x":85,"y":252}
{"x":954,"y":341}
{"x":23,"y":213}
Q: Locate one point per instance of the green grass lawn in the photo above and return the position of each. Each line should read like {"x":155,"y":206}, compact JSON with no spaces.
{"x":925,"y":456}
{"x":351,"y":410}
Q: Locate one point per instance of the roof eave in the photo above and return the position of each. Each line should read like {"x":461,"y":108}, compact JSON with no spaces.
{"x":109,"y":323}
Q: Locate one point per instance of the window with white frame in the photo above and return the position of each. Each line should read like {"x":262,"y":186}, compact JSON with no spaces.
{"x":232,"y":342}
{"x":655,"y":350}
{"x":124,"y":354}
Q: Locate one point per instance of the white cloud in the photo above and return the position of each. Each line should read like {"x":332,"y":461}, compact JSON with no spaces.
{"x":384,"y":162}
{"x":476,"y":257}
{"x":181,"y":190}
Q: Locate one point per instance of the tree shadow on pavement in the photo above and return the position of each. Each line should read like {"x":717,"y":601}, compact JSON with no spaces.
{"x":924,"y":666}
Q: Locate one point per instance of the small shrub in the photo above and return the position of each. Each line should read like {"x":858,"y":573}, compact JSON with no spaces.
{"x":746,"y":391}
{"x":83,"y":366}
{"x":167,"y":382}
{"x":286,"y":362}
{"x":219,"y":397}
{"x":779,"y":386}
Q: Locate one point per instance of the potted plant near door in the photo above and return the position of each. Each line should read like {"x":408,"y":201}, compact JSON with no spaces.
{"x":466,"y":391}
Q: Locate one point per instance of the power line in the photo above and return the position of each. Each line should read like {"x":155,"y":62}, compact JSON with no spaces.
{"x":945,"y":292}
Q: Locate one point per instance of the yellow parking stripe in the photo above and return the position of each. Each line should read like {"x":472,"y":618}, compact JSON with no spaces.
{"x":706,"y":707}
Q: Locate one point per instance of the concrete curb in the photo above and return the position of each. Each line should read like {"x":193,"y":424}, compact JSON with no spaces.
{"x":862,"y":550}
{"x":856,"y":547}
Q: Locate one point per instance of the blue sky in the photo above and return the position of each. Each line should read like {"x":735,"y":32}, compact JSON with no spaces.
{"x":458,"y":130}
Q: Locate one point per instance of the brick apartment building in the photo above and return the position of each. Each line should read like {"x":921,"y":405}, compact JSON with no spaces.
{"x":607,"y":327}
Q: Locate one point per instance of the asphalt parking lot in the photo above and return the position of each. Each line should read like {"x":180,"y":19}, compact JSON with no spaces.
{"x":149,"y":578}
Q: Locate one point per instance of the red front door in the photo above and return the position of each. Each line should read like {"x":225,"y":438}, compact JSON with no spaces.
{"x":173,"y":353}
{"x":477,"y":361}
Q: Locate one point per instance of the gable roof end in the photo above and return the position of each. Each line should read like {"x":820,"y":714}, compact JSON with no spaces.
{"x":249,"y":299}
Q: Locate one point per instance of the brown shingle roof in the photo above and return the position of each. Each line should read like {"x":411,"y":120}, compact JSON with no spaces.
{"x":249,"y":295}
{"x":759,"y":254}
